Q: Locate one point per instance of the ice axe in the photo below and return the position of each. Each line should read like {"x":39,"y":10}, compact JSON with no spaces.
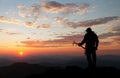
{"x":77,"y":44}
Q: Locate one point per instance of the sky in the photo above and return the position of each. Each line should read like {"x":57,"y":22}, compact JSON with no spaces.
{"x":48,"y":27}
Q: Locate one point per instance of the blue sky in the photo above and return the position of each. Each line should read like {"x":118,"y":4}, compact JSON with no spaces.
{"x":103,"y":7}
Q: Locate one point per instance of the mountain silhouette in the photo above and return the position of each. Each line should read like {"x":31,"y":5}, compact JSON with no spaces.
{"x":25,"y":70}
{"x":20,"y":70}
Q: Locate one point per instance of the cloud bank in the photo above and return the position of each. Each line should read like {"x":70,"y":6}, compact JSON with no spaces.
{"x":89,"y":23}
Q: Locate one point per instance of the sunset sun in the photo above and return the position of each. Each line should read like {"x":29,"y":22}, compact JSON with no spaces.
{"x":20,"y":53}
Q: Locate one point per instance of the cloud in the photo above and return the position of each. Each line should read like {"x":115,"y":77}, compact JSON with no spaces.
{"x":70,"y":38}
{"x":55,"y":7}
{"x":114,"y":31}
{"x":8,"y":32}
{"x":12,"y":33}
{"x":112,"y":37}
{"x":117,"y":40}
{"x":29,"y":23}
{"x":105,"y":43}
{"x":38,"y":43}
{"x":98,"y":21}
{"x":109,"y":34}
{"x":61,"y":20}
{"x":51,"y":6}
{"x":64,"y":41}
{"x":83,"y":8}
{"x":116,"y":28}
{"x":9,"y":20}
{"x":110,"y":40}
{"x":44,"y":26}
{"x":20,"y":6}
{"x":1,"y":30}
{"x":32,"y":24}
{"x":29,"y":11}
{"x":34,"y":42}
{"x":28,"y":38}
{"x":38,"y":11}
{"x":92,"y":22}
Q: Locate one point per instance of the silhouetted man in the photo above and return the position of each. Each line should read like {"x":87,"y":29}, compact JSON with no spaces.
{"x":91,"y":44}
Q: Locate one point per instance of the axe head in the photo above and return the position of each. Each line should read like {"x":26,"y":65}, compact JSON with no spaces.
{"x":73,"y":42}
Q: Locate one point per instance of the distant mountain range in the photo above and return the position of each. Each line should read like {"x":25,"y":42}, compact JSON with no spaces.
{"x":104,"y":60}
{"x":25,"y":70}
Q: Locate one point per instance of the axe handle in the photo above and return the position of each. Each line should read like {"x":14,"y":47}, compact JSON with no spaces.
{"x":77,"y":44}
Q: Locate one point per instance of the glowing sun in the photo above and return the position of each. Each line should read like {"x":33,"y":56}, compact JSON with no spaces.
{"x":21,"y":53}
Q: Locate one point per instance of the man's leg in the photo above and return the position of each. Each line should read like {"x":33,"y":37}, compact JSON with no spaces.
{"x":89,"y":59}
{"x":94,"y":58}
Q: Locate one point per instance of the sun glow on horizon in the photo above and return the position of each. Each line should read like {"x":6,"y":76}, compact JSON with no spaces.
{"x":20,"y":53}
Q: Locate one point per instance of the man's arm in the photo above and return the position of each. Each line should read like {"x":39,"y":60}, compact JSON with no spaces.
{"x":97,"y":43}
{"x":82,"y":42}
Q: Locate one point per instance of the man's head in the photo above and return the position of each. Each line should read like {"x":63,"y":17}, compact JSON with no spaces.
{"x":88,"y":30}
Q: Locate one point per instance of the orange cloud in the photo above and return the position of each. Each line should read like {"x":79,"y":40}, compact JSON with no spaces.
{"x":44,"y":26}
{"x":38,"y":43}
{"x":33,"y":24}
{"x":29,"y":23}
{"x":64,"y":41}
{"x":117,"y":40}
{"x":7,"y":20}
{"x":116,"y":28}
